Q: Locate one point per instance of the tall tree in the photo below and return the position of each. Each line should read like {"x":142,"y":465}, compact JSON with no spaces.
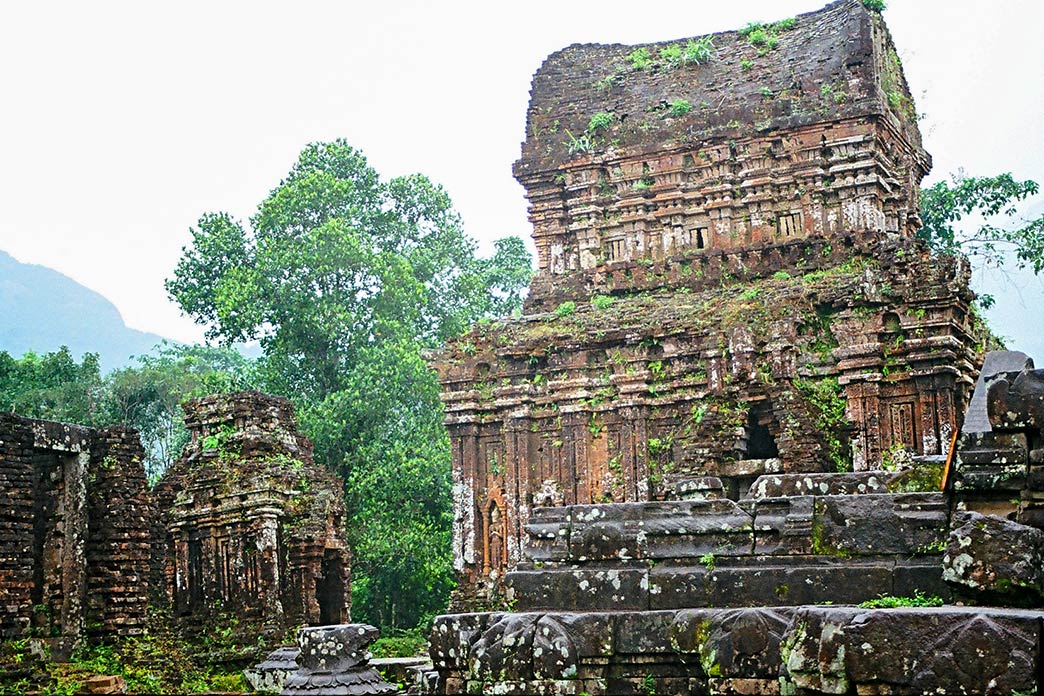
{"x":994,"y":234}
{"x":345,"y":279}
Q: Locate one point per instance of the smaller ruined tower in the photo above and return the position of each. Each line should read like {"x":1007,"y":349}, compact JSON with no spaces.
{"x":250,"y":526}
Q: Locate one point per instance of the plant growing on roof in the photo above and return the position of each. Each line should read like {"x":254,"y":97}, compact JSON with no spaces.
{"x":699,"y":51}
{"x":680,"y":107}
{"x":640,"y":58}
{"x":601,"y":121}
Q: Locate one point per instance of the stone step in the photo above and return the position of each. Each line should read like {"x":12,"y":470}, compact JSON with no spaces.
{"x":760,"y":582}
{"x":829,"y":525}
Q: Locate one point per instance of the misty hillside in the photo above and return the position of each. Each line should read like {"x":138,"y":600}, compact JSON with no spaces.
{"x":42,"y":310}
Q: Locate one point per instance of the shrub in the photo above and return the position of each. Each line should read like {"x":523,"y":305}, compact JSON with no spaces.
{"x":671,"y":55}
{"x":640,"y":58}
{"x":601,"y":121}
{"x":565,"y":309}
{"x":680,"y":107}
{"x":699,"y":51}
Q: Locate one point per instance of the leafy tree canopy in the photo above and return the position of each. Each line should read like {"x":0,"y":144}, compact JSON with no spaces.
{"x":995,"y":233}
{"x":345,"y":279}
{"x":52,"y":386}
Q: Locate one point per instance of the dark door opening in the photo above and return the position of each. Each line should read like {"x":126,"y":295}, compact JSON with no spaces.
{"x":760,"y":443}
{"x":330,"y":589}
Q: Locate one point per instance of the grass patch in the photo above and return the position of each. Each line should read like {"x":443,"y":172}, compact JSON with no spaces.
{"x":890,"y":602}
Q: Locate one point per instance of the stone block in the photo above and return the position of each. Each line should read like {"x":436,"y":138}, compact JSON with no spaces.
{"x":334,"y":661}
{"x":452,"y":635}
{"x":697,"y":488}
{"x":269,"y":675}
{"x":788,"y":485}
{"x":547,"y":534}
{"x":767,"y":585}
{"x":996,"y":558}
{"x":992,"y":448}
{"x":976,"y":418}
{"x":1015,"y":401}
{"x":872,"y":525}
{"x":946,"y":650}
{"x":581,"y":588}
{"x":783,"y":526}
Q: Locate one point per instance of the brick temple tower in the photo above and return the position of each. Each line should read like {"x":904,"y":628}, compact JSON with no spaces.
{"x":728,"y":283}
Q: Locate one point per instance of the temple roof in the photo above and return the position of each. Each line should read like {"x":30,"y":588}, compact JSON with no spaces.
{"x":832,"y":64}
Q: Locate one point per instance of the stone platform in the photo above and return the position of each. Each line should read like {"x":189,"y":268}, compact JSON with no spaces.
{"x":765,"y":650}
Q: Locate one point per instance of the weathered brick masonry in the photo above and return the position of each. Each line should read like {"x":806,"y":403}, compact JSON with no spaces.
{"x":244,"y":531}
{"x":723,"y":292}
{"x":251,"y":526}
{"x":74,"y":532}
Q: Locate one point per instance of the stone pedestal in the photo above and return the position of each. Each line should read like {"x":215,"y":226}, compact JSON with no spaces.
{"x":334,"y":661}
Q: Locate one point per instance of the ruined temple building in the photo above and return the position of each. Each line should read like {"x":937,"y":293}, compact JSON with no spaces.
{"x":251,"y":527}
{"x":728,"y":414}
{"x":729,"y":284}
{"x":245,"y":532}
{"x":74,"y":533}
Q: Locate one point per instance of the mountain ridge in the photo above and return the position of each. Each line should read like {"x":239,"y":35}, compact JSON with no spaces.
{"x":42,"y":309}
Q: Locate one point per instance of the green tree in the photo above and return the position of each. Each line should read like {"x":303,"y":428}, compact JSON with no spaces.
{"x":148,"y":396}
{"x":52,"y":386}
{"x":345,"y":279}
{"x":991,"y":237}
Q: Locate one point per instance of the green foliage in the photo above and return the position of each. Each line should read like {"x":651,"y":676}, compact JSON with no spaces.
{"x":601,"y":302}
{"x":401,"y":643}
{"x":581,"y":144}
{"x":640,"y":58}
{"x":746,"y":65}
{"x":601,"y":121}
{"x":765,"y":37}
{"x":991,"y":239}
{"x":53,"y":386}
{"x":671,"y":55}
{"x":765,"y":91}
{"x":680,"y":107}
{"x":346,"y":279}
{"x":699,"y":51}
{"x":874,"y":5}
{"x":758,"y":37}
{"x":826,"y":398}
{"x":708,"y":561}
{"x":565,"y":309}
{"x":890,"y":602}
{"x":148,"y":665}
{"x":695,"y":52}
{"x":146,"y":397}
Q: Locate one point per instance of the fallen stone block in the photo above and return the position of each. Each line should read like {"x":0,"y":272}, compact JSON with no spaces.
{"x":996,"y":557}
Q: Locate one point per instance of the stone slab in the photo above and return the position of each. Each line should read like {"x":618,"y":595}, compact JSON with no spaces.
{"x":976,"y":419}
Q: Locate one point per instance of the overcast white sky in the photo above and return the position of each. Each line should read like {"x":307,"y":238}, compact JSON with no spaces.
{"x":120,"y":123}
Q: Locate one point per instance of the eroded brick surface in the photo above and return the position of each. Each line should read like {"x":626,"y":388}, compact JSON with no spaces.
{"x":711,"y":287}
{"x":74,"y":532}
{"x":251,"y":527}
